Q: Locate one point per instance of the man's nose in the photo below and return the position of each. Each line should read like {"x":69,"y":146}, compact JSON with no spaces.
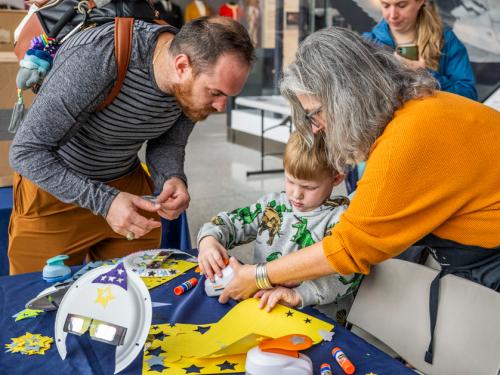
{"x":220,"y":104}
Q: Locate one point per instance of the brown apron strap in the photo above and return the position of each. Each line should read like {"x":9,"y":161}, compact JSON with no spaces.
{"x":124,"y":28}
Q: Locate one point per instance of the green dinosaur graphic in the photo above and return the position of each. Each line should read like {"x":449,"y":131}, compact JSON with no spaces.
{"x":273,"y":256}
{"x":303,"y":236}
{"x":245,"y":215}
{"x":353,"y":281}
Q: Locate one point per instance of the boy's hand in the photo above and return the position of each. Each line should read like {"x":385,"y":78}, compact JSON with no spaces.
{"x":212,"y":257}
{"x":270,"y":297}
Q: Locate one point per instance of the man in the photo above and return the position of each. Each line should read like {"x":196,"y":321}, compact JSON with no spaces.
{"x":79,"y":183}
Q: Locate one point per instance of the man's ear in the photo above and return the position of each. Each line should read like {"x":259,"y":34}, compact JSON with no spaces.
{"x":182,"y":66}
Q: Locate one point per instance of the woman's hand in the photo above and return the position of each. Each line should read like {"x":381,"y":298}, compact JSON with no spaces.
{"x":270,"y":297}
{"x":212,"y":257}
{"x":243,"y":285}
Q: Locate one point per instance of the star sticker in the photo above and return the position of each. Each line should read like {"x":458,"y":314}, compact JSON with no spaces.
{"x":192,"y":369}
{"x":227,"y":366}
{"x":27,"y":313}
{"x":307,"y":320}
{"x":155,"y":327}
{"x":171,"y":325}
{"x":201,"y":329}
{"x":111,"y":278}
{"x":327,"y":336}
{"x":296,"y":340}
{"x":289,"y":313}
{"x":151,"y":273}
{"x":120,"y":271}
{"x":104,"y":296}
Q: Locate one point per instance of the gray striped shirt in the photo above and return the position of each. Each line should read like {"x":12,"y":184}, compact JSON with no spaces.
{"x":70,"y":150}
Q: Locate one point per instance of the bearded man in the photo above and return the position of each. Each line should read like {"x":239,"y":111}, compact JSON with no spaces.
{"x":79,"y":182}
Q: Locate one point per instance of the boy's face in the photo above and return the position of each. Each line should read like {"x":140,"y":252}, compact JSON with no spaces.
{"x":307,"y":195}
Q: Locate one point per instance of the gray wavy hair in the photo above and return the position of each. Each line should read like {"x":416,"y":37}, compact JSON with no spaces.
{"x":359,"y":85}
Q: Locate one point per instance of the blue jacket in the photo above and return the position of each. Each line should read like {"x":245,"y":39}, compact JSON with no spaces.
{"x":455,"y":72}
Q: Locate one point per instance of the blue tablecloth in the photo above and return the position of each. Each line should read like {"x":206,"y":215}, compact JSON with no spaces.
{"x":86,"y":356}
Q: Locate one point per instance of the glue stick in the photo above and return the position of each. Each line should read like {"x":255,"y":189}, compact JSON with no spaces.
{"x":325,"y":369}
{"x":343,"y":361}
{"x":185,"y":286}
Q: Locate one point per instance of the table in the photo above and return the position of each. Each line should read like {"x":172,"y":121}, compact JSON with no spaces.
{"x":272,"y":103}
{"x":86,"y":356}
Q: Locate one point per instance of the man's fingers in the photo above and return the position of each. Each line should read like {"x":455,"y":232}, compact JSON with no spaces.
{"x":145,"y":204}
{"x":166,"y":193}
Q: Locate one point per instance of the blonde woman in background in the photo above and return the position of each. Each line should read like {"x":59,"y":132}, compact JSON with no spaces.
{"x":417,"y":22}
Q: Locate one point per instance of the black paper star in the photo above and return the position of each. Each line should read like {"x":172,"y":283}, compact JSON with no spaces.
{"x":171,"y":324}
{"x":289,"y":313}
{"x":156,"y":352}
{"x":155,"y":327}
{"x":201,"y":329}
{"x":227,"y":366}
{"x":158,"y":368}
{"x":160,"y":336}
{"x":152,"y":273}
{"x":307,"y":320}
{"x":192,"y":369}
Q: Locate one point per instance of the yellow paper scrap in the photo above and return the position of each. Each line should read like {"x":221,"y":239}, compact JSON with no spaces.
{"x":179,"y":266}
{"x":30,"y":344}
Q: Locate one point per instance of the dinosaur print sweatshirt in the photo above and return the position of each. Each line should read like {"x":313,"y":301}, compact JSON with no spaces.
{"x":279,"y":230}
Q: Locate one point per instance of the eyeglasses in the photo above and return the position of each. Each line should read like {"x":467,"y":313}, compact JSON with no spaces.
{"x":311,"y":116}
{"x":99,"y":330}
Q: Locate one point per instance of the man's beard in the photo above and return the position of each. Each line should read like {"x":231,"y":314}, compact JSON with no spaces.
{"x":183,"y":93}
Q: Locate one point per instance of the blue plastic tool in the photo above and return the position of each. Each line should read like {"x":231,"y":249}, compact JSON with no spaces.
{"x":55,"y":270}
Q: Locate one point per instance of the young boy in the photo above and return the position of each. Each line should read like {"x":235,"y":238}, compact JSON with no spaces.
{"x":281,"y":223}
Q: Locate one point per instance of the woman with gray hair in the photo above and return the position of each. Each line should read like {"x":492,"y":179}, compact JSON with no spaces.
{"x":426,"y":177}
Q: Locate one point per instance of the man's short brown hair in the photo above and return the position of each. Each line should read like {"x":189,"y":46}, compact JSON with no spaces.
{"x":205,"y":39}
{"x":304,"y":162}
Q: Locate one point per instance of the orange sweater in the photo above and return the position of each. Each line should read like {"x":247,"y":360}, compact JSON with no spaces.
{"x":435,"y":169}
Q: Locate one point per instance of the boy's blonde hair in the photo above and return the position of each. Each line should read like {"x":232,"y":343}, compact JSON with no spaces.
{"x":304,"y":162}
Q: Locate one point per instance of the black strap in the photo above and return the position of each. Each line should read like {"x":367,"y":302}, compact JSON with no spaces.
{"x":433,"y":310}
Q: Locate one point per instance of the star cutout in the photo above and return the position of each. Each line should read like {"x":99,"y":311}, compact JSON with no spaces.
{"x":289,"y":313}
{"x":192,"y":369}
{"x":27,"y":313}
{"x":151,"y":273}
{"x":155,"y":327}
{"x":155,"y":361}
{"x":371,"y":373}
{"x":227,"y":366}
{"x":201,"y":329}
{"x":156,"y":352}
{"x":104,"y":296}
{"x":160,"y":336}
{"x":307,"y":320}
{"x":327,"y":336}
{"x":120,"y":271}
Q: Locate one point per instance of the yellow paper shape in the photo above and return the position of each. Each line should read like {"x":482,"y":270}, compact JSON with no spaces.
{"x":181,"y":266}
{"x":242,"y":328}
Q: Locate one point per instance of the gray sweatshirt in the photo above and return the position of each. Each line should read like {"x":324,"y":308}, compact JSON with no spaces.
{"x":278,"y":230}
{"x":70,"y":150}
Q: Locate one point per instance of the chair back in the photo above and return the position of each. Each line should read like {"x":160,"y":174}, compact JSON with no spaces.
{"x":392,"y":304}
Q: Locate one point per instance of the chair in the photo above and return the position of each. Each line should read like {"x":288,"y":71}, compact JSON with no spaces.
{"x":392,"y":304}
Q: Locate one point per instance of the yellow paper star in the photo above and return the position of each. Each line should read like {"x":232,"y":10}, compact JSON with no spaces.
{"x":371,"y":373}
{"x":104,"y":296}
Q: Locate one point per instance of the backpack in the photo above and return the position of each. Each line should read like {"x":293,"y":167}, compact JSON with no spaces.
{"x":50,"y":23}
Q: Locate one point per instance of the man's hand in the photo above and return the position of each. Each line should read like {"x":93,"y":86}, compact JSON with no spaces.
{"x":173,"y":199}
{"x":270,"y":297}
{"x":243,"y":285}
{"x":212,"y":257}
{"x":123,"y":216}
